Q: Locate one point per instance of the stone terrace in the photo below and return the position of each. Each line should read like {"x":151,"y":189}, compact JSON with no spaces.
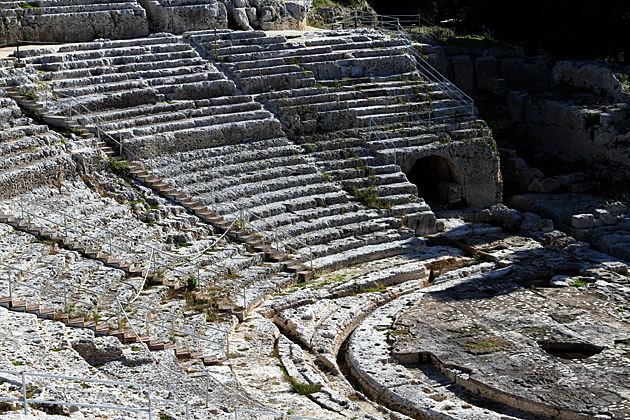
{"x":154,"y":95}
{"x":261,"y":63}
{"x":72,"y":20}
{"x":333,"y":81}
{"x":30,"y":154}
{"x":280,"y":190}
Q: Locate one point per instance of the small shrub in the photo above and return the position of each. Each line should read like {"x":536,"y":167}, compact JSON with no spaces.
{"x":304,"y":388}
{"x":191,"y":283}
{"x":579,"y":282}
{"x":484,"y":345}
{"x":369,"y":198}
{"x":120,"y":168}
{"x":377,"y":289}
{"x":29,"y":93}
{"x":5,"y":406}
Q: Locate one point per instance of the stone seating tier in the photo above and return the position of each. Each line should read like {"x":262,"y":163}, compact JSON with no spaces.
{"x":284,"y":191}
{"x":252,"y":59}
{"x":125,"y":74}
{"x":30,"y":154}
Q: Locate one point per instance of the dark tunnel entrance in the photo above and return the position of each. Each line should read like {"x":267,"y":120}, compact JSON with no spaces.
{"x":437,"y":181}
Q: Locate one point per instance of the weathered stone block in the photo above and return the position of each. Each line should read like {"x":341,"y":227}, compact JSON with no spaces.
{"x":583,"y":221}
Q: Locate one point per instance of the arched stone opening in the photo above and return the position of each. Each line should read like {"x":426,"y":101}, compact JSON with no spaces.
{"x":438,"y":182}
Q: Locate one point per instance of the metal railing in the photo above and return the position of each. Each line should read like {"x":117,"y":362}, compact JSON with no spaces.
{"x":393,"y":26}
{"x":121,"y":311}
{"x":170,"y":326}
{"x":25,"y":400}
{"x":105,"y":239}
{"x":92,"y":119}
{"x":383,"y":139}
{"x":13,"y":281}
{"x":246,"y":216}
{"x":276,"y":415}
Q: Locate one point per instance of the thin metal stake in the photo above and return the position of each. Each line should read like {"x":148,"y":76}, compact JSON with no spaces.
{"x":244,"y":297}
{"x":172,"y":328}
{"x":10,"y":283}
{"x":149,"y":398}
{"x":22,"y":207}
{"x":187,"y":418}
{"x":24,"y":393}
{"x":109,"y":234}
{"x":65,"y":300}
{"x":153,"y":260}
{"x":65,"y":225}
{"x":207,"y":389}
{"x":118,"y":313}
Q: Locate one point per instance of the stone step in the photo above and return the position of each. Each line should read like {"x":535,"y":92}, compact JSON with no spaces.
{"x":155,"y":345}
{"x":276,"y":256}
{"x":62,"y":317}
{"x":33,"y":309}
{"x":76,"y":322}
{"x":182,"y":353}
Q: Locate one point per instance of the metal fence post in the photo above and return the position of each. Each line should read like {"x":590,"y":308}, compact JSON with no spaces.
{"x":172,"y":327}
{"x":149,"y":398}
{"x":244,"y":296}
{"x":109,"y":234}
{"x":187,"y":418}
{"x":118,"y":313}
{"x":207,"y":389}
{"x":65,"y":225}
{"x":10,"y":283}
{"x":22,"y":207}
{"x":24,"y":393}
{"x":65,"y":300}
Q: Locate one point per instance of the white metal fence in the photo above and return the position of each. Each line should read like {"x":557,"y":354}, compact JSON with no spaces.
{"x":144,"y":393}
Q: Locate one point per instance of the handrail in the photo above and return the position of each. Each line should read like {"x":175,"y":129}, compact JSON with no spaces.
{"x":26,"y":400}
{"x":29,"y":286}
{"x":392,"y":24}
{"x":275,"y":239}
{"x":99,"y":129}
{"x":393,"y":149}
{"x":111,"y":235}
{"x":66,"y":285}
{"x":120,"y":307}
{"x":272,"y":413}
